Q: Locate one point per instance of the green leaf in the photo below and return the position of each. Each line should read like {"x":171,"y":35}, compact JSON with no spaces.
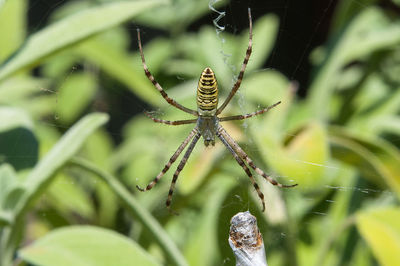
{"x":12,"y":26}
{"x":381,"y":229}
{"x":83,"y":246}
{"x":71,"y":30}
{"x":18,"y":144}
{"x":305,"y":158}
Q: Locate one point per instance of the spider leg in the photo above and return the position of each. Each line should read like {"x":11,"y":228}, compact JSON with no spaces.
{"x":157,"y":85}
{"x":170,"y":162}
{"x":241,"y":73}
{"x":245,"y":168}
{"x":167,"y":122}
{"x":241,"y":117}
{"x":179,"y":169}
{"x":245,"y":157}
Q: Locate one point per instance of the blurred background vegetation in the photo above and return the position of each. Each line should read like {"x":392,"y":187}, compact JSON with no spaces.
{"x":74,"y":141}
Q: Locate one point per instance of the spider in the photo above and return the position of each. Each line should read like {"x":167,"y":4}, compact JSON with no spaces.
{"x":208,"y":123}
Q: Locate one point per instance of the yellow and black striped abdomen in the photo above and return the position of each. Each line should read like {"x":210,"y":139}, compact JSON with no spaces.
{"x":207,"y":93}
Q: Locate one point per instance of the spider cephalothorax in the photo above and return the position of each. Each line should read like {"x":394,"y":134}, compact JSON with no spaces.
{"x":208,"y":123}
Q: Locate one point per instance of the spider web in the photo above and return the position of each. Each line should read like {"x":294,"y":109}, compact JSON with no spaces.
{"x":290,"y":56}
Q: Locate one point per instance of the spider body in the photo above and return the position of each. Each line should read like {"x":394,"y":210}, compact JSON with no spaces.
{"x":208,"y":124}
{"x":207,"y":103}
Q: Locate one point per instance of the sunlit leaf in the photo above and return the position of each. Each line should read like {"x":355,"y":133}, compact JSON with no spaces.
{"x":12,"y":26}
{"x":305,"y":158}
{"x":85,"y":245}
{"x":381,"y":229}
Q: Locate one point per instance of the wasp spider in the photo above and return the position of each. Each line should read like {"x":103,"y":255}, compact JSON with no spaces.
{"x":208,"y":123}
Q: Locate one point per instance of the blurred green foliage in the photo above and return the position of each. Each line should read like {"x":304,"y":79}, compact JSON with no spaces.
{"x":340,"y":143}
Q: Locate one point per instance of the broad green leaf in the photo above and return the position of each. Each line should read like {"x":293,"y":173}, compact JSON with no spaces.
{"x":381,"y":229}
{"x":18,"y":144}
{"x":12,"y":26}
{"x":305,"y":158}
{"x":65,"y":148}
{"x":71,"y":30}
{"x":83,"y":246}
